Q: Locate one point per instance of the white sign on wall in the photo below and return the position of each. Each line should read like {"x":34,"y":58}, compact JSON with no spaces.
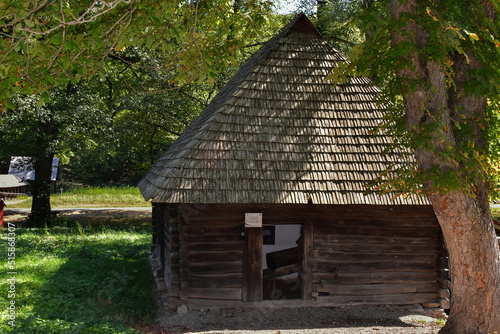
{"x":253,"y":219}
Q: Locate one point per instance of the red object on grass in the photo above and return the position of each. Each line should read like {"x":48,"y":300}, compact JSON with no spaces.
{"x":2,"y":205}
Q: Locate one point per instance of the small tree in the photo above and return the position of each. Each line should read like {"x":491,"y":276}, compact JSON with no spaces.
{"x":42,"y":131}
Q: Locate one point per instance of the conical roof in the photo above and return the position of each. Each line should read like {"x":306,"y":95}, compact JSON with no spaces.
{"x":279,"y":132}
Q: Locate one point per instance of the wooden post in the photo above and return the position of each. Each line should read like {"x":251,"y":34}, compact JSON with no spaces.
{"x":154,"y":226}
{"x":252,"y":280}
{"x":307,"y":274}
{"x":161,"y":235}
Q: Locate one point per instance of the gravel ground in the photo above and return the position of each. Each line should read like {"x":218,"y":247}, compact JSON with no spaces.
{"x":342,"y":320}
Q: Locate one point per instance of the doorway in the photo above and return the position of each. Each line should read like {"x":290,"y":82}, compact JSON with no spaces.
{"x":282,"y":254}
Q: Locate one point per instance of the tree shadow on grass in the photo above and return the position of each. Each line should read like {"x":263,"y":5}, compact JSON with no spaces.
{"x":104,"y":286}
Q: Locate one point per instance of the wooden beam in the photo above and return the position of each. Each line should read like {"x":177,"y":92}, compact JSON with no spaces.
{"x":307,"y":270}
{"x":252,"y":278}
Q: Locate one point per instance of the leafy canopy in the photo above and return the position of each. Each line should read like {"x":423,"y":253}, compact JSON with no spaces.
{"x":46,"y":43}
{"x":461,"y":42}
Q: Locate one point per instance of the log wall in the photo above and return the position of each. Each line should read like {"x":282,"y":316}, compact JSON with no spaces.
{"x":377,"y":256}
{"x":354,"y":254}
{"x":211,"y":253}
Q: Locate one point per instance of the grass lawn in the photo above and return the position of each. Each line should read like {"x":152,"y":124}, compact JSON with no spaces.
{"x":74,"y":279}
{"x":496,"y":214}
{"x":90,"y":197}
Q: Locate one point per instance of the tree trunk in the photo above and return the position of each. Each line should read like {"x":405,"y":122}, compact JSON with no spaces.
{"x":4,"y":163}
{"x":41,"y":189}
{"x":465,"y":218}
{"x":474,"y":259}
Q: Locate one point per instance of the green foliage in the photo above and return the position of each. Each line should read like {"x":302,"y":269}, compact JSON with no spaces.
{"x":337,"y":22}
{"x":44,"y":45}
{"x":38,"y":131}
{"x":79,"y":280}
{"x":149,"y":110}
{"x":460,"y":42}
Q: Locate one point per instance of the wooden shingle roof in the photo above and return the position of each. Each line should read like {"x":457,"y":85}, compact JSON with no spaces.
{"x":279,"y":132}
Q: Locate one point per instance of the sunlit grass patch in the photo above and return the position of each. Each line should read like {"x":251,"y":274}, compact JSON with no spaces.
{"x":78,"y":280}
{"x":90,"y":197}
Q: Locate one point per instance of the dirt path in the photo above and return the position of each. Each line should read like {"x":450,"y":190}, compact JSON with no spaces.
{"x":91,"y":216}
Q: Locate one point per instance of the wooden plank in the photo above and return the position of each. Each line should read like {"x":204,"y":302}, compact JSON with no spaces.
{"x":216,"y":267}
{"x":377,"y":289}
{"x":375,"y":257}
{"x":307,"y":270}
{"x":378,"y":247}
{"x":397,"y":299}
{"x":214,"y":256}
{"x":265,"y":304}
{"x":374,"y":231}
{"x":162,"y":232}
{"x":198,"y":238}
{"x":363,"y":266}
{"x":371,"y":239}
{"x":216,"y":294}
{"x":233,"y":230}
{"x":285,"y":212}
{"x":374,"y":277}
{"x":216,"y":220}
{"x":252,"y":282}
{"x":217,"y":246}
{"x":216,"y":281}
{"x":393,"y":221}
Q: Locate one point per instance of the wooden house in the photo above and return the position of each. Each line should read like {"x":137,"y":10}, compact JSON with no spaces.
{"x":261,"y":201}
{"x":11,"y":186}
{"x":22,"y":168}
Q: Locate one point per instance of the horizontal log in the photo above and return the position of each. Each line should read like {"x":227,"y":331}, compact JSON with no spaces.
{"x":377,"y":289}
{"x":375,"y":257}
{"x":444,"y":293}
{"x":216,"y":268}
{"x":217,"y":294}
{"x":175,"y":267}
{"x":321,"y":302}
{"x":444,"y":283}
{"x":397,"y":299}
{"x":214,"y":256}
{"x":216,"y":246}
{"x":175,"y":257}
{"x":374,"y":277}
{"x":184,"y":274}
{"x":371,"y":239}
{"x":364,"y":266}
{"x":213,"y":230}
{"x":444,"y":274}
{"x":394,"y":221}
{"x":308,"y":211}
{"x":175,"y":280}
{"x":377,"y":247}
{"x":215,"y":219}
{"x":216,"y":281}
{"x":379,"y":232}
{"x":198,"y":238}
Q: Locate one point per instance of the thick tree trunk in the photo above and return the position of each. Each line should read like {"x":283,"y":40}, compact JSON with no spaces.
{"x":474,"y":258}
{"x":465,"y":218}
{"x":41,"y":189}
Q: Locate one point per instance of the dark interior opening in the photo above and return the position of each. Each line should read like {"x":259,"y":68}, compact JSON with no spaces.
{"x":282,"y":277}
